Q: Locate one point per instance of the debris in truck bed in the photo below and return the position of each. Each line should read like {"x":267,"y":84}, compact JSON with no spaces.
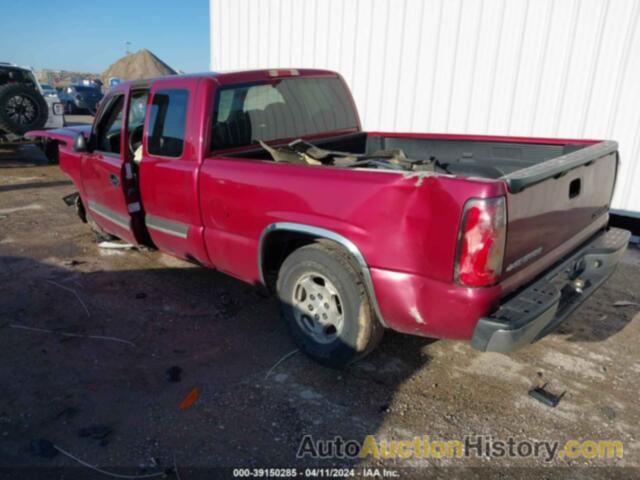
{"x":304,"y":153}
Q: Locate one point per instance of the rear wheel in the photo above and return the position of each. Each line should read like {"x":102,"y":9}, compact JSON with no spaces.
{"x":325,"y":305}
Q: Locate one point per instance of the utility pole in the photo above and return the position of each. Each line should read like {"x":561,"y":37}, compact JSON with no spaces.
{"x":127,"y":44}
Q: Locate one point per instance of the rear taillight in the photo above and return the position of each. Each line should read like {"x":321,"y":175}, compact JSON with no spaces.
{"x":481,"y":242}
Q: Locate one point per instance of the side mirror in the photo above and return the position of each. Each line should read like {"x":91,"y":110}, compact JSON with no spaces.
{"x":79,"y":143}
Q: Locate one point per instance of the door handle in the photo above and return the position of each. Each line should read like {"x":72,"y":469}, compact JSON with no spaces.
{"x":115,"y":181}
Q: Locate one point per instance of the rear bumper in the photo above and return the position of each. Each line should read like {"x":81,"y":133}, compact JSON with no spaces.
{"x":541,"y":306}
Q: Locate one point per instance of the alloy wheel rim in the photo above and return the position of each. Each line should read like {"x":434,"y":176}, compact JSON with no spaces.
{"x":21,"y":109}
{"x":317,"y":307}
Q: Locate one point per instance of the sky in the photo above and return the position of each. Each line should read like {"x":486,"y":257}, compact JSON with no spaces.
{"x":90,"y":35}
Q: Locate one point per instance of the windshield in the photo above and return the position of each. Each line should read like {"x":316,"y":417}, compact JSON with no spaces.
{"x":282,"y":109}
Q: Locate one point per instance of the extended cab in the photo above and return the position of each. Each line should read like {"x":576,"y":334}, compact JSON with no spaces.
{"x":267,"y":176}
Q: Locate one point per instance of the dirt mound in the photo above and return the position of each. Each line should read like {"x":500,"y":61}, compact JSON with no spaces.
{"x":138,"y":65}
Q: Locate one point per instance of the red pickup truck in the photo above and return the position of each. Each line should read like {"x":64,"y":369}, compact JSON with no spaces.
{"x":267,"y":176}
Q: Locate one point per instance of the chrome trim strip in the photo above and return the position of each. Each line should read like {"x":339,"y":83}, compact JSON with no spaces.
{"x":115,"y":217}
{"x":169,"y":227}
{"x":328,"y":234}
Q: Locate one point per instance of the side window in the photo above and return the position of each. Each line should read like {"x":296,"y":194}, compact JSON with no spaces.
{"x":108,"y":131}
{"x":137,"y":108}
{"x":167,"y":119}
{"x":135,"y":122}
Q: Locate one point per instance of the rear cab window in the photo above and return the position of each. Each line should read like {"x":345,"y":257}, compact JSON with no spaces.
{"x":167,"y":122}
{"x":280,"y":109}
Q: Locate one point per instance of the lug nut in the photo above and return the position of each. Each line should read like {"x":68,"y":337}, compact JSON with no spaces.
{"x":579,"y":284}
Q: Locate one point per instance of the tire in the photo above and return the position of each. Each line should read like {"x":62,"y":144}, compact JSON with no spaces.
{"x":325,"y":305}
{"x":22,"y":108}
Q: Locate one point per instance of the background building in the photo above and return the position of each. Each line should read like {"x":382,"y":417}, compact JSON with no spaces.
{"x":559,"y":68}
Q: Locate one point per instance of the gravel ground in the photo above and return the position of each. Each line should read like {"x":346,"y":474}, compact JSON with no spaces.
{"x":160,"y":312}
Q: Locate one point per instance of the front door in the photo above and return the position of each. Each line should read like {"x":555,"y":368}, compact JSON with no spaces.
{"x":106,"y":176}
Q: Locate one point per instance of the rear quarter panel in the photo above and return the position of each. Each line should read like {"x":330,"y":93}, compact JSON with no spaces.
{"x":399,"y":222}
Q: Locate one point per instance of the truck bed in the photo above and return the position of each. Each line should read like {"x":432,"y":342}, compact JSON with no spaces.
{"x":481,"y":158}
{"x":558,"y":191}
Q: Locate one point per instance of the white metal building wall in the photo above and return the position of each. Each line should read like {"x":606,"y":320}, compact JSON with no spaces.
{"x":559,"y":68}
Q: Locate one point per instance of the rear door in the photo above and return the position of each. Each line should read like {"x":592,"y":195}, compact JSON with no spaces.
{"x":169,"y":168}
{"x":106,"y":176}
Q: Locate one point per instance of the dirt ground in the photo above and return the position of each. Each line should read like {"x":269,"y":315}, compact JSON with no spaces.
{"x":138,"y":313}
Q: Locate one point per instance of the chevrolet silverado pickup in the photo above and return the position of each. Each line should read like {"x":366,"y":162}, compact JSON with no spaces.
{"x":267,"y":176}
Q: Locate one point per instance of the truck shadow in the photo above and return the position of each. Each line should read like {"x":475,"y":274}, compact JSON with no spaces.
{"x":25,"y":156}
{"x":100,"y":343}
{"x":34,"y":185}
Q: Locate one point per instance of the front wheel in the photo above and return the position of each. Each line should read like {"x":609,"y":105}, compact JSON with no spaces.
{"x":325,"y":305}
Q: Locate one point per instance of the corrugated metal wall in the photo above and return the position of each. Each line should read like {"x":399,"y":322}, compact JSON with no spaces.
{"x":565,"y":68}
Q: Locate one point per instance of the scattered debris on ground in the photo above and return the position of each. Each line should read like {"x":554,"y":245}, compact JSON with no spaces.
{"x":545,"y":397}
{"x":173,"y":374}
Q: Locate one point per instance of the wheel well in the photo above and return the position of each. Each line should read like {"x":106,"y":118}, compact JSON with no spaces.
{"x":277,"y":246}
